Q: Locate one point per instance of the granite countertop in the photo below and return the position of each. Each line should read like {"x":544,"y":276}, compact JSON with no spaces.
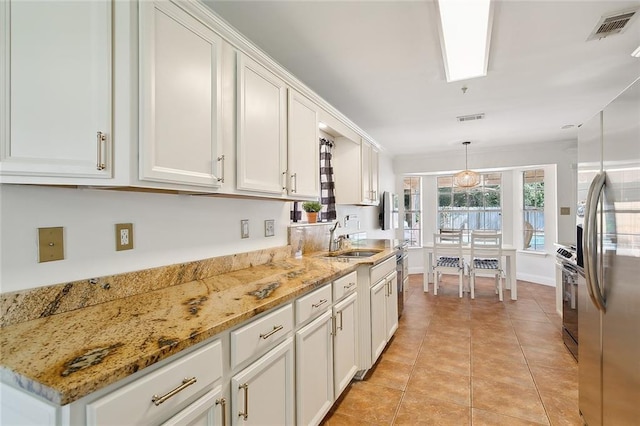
{"x":67,"y":356}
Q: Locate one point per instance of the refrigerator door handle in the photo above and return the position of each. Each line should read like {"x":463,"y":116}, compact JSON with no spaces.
{"x":590,"y":238}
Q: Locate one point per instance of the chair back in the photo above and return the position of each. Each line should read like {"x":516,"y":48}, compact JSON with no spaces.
{"x":448,"y":245}
{"x":487,"y":246}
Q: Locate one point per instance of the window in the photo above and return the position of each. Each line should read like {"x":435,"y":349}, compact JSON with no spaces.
{"x":412,"y":206}
{"x":476,"y":208}
{"x":533,"y":210}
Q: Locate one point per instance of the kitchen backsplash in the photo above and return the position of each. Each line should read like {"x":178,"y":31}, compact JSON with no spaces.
{"x":40,"y":302}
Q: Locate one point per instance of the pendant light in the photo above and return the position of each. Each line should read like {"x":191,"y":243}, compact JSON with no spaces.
{"x":466,"y":178}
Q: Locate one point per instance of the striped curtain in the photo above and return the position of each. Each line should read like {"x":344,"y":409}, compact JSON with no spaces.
{"x":327,"y":185}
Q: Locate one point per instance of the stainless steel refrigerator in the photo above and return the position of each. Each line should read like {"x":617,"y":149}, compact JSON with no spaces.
{"x":609,"y":286}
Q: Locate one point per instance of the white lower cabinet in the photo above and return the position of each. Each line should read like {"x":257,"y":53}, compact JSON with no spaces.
{"x":262,"y":393}
{"x":391,"y":298}
{"x":314,"y":370}
{"x":378,"y":319}
{"x":345,"y":343}
{"x":384,"y":314}
{"x":210,"y":410}
{"x":162,"y":394}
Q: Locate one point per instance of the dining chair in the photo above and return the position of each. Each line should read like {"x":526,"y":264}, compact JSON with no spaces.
{"x":447,"y":258}
{"x":486,"y":259}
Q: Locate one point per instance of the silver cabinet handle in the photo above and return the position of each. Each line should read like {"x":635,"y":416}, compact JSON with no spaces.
{"x":223,"y":403}
{"x":340,"y":326}
{"x":245,"y":415}
{"x":185,"y":384}
{"x":101,"y":139}
{"x":221,"y":161}
{"x":294,"y":183}
{"x":590,"y":237}
{"x":284,"y":179}
{"x":320,"y":303}
{"x":276,"y":328}
{"x":334,"y":330}
{"x":349,"y":286}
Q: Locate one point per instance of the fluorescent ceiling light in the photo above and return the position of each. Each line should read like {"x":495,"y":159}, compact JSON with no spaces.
{"x":465,"y":30}
{"x":636,"y":53}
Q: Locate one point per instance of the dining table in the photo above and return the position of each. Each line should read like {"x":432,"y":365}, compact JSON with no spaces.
{"x":508,"y":252}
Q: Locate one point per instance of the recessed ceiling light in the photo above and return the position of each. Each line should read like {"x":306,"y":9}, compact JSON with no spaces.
{"x":465,"y":31}
{"x":636,"y":53}
{"x":322,"y":125}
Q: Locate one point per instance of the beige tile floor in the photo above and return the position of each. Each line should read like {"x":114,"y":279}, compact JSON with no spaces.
{"x":469,"y":362}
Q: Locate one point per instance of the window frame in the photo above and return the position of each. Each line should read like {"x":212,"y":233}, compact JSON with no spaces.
{"x":537,"y":234}
{"x":415,"y":228}
{"x":465,"y":197}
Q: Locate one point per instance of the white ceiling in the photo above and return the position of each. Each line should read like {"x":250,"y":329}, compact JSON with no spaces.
{"x":380,"y":63}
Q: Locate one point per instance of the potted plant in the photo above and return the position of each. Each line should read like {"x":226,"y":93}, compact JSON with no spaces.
{"x":312,"y":208}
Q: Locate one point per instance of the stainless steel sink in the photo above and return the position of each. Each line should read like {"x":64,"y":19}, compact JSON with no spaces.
{"x":354,"y":253}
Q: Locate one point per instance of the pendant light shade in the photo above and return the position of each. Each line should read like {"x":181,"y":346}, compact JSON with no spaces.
{"x":466,"y":178}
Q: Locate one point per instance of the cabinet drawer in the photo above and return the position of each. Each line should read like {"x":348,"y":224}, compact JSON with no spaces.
{"x":260,"y":334}
{"x":132,"y":404}
{"x":380,"y":271}
{"x":313,"y":304}
{"x":345,"y":285}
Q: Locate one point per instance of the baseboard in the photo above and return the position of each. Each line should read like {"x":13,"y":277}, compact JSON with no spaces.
{"x":537,"y":279}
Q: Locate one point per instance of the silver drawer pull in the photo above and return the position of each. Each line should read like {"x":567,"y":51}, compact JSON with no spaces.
{"x":320,"y":303}
{"x":223,"y":403}
{"x":185,"y":384}
{"x":276,"y":328}
{"x":101,"y":138}
{"x":245,"y":415}
{"x":221,"y":178}
{"x":348,"y":287}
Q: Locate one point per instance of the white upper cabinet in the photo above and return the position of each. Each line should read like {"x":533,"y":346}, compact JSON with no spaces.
{"x":369,"y":159}
{"x":303,"y":148}
{"x":55,"y":90}
{"x":180,"y":97}
{"x":262,"y":129}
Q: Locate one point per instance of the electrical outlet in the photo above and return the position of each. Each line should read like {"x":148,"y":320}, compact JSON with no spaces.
{"x":565,"y":211}
{"x":244,"y":228}
{"x":50,"y":244}
{"x":124,"y":236}
{"x":269,"y":228}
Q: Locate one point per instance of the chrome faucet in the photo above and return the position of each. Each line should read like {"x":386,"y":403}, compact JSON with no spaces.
{"x":332,"y":241}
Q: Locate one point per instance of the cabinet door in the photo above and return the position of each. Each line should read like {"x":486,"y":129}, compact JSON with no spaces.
{"x":262,"y":130}
{"x":345,"y":347}
{"x":262,"y":394}
{"x":180,"y":112}
{"x":210,"y":410}
{"x":378,"y":319}
{"x":55,"y":89}
{"x":391,"y":305}
{"x":303,"y":148}
{"x":373,"y":177}
{"x":314,"y":370}
{"x":365,"y":158}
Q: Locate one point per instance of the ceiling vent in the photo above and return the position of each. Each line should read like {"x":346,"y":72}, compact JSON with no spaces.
{"x":471,"y":117}
{"x":612,"y":24}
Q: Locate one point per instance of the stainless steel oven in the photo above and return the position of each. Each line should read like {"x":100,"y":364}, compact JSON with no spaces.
{"x":570,"y":278}
{"x":402,"y":267}
{"x":566,"y":257}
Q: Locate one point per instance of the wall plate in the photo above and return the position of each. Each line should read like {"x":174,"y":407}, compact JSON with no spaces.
{"x":124,"y":236}
{"x":50,"y":244}
{"x":269,"y":228}
{"x":244,"y":228}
